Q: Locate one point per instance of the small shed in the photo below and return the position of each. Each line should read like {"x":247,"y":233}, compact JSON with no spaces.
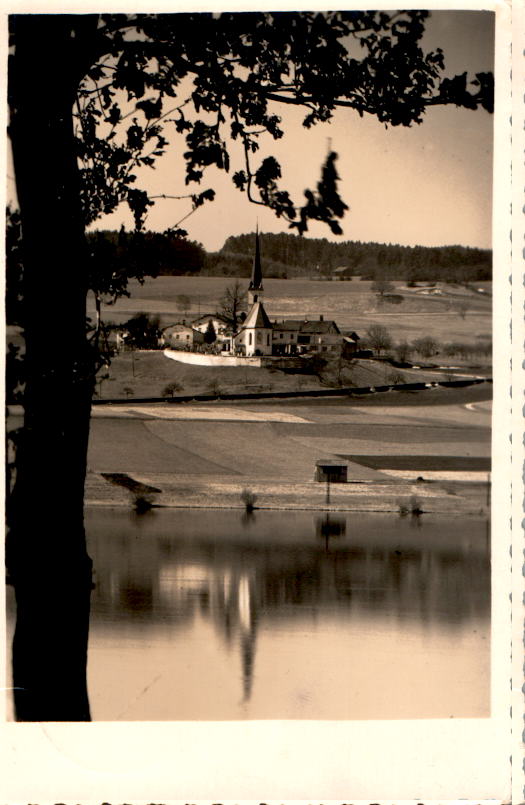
{"x":334,"y":470}
{"x":350,"y":344}
{"x":342,"y":273}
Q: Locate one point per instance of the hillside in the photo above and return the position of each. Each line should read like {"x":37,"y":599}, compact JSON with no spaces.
{"x":284,"y":256}
{"x":301,"y":256}
{"x":353,"y":305}
{"x":149,"y":373}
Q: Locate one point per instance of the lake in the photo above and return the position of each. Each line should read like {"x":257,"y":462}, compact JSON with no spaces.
{"x":217,"y":615}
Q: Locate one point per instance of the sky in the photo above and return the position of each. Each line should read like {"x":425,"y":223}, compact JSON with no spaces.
{"x":429,"y":184}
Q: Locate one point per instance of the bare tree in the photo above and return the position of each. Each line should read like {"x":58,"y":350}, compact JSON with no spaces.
{"x":403,"y":350}
{"x":183,"y":302}
{"x":382,"y":286}
{"x":233,"y":302}
{"x":426,"y":346}
{"x":171,"y":389}
{"x":378,"y":337}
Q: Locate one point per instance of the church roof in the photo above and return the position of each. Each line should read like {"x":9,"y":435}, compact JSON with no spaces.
{"x":257,"y":317}
{"x":256,"y":280}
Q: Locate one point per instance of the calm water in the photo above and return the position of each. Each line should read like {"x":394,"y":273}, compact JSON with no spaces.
{"x":215,"y":615}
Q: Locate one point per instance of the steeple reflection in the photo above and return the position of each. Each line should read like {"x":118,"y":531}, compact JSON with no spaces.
{"x":245,"y":579}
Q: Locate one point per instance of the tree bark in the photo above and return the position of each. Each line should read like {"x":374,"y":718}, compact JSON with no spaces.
{"x":46,"y":549}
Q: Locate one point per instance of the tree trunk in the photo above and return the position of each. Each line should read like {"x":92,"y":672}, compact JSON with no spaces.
{"x":46,"y":550}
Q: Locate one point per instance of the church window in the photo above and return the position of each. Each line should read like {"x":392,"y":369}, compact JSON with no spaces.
{"x":249,"y":338}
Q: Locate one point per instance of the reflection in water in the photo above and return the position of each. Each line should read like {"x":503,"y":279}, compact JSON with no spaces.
{"x":330,"y":526}
{"x":209,"y":614}
{"x":206,"y":615}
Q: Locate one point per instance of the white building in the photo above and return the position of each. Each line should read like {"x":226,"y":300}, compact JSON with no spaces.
{"x":255,"y":335}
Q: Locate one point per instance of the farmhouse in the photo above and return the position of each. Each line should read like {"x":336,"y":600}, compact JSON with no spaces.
{"x":220,"y":324}
{"x":181,"y":336}
{"x":294,"y":337}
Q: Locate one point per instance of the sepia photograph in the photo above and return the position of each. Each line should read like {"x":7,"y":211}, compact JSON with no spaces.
{"x":249,"y":367}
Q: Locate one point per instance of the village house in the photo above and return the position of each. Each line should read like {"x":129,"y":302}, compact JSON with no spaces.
{"x":295,"y":337}
{"x":181,"y":336}
{"x":116,"y":337}
{"x":220,"y":324}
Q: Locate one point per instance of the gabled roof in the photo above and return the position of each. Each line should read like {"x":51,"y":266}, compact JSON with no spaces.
{"x":319,"y":327}
{"x":257,"y":317}
{"x":288,"y":324}
{"x":306,"y":326}
{"x":178,"y":326}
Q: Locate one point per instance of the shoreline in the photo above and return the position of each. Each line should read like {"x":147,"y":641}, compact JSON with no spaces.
{"x":432,"y":497}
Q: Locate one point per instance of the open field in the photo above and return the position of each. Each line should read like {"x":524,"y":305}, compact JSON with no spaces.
{"x":206,"y":454}
{"x":352,"y":304}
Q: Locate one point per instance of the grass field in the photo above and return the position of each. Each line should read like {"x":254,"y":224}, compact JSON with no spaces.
{"x":205,"y":454}
{"x":353,"y":305}
{"x":147,"y":373}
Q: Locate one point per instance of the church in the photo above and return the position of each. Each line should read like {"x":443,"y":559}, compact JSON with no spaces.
{"x":258,"y":336}
{"x":255,"y":335}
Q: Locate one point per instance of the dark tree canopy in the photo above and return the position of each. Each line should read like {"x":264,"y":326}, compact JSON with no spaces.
{"x":116,"y":257}
{"x":210,"y":335}
{"x":217,"y":78}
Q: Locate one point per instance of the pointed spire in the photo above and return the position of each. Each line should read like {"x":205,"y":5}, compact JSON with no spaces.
{"x":256,"y":280}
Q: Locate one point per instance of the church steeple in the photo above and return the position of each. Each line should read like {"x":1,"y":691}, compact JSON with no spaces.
{"x":255,"y":288}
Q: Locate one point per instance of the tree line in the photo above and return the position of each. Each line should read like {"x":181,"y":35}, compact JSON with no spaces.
{"x":285,"y":256}
{"x":296,"y":255}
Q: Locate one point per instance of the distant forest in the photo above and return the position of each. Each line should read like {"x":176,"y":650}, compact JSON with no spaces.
{"x":290,"y":255}
{"x":285,"y":256}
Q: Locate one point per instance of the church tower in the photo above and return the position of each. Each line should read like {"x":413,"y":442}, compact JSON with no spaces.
{"x":255,"y":288}
{"x":256,"y":334}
